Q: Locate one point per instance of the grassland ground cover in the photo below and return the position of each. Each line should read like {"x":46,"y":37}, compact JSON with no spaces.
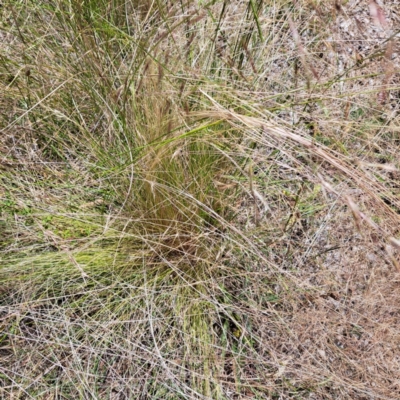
{"x":199,"y":200}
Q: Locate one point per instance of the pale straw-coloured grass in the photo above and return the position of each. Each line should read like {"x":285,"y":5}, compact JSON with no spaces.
{"x":199,"y":200}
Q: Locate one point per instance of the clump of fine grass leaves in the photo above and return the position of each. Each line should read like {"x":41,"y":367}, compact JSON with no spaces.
{"x":198,"y":200}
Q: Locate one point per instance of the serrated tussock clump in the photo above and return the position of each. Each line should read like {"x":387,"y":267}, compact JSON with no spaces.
{"x":199,"y":200}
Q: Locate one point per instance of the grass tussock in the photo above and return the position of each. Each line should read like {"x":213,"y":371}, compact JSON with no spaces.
{"x":199,"y":200}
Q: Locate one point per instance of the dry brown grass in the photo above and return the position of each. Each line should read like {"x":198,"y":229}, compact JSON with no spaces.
{"x":199,"y":201}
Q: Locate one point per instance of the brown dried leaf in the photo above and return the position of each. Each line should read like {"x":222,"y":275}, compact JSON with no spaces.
{"x":395,"y":242}
{"x":377,"y":14}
